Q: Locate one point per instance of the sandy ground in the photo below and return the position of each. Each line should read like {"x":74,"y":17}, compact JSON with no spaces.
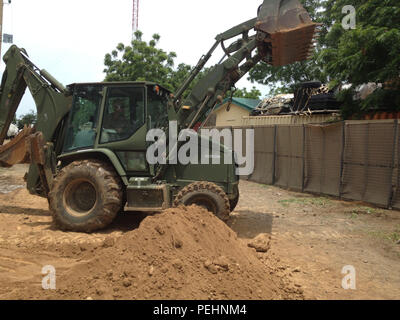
{"x":317,"y":237}
{"x":312,"y":239}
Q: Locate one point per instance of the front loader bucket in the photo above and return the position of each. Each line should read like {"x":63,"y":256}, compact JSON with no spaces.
{"x":289,"y":29}
{"x":17,"y":150}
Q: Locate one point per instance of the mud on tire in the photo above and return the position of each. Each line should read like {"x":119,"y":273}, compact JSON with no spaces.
{"x":85,"y":196}
{"x":207,"y":195}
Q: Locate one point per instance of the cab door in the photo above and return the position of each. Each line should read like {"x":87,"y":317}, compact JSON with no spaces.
{"x":83,"y":118}
{"x":123,"y":127}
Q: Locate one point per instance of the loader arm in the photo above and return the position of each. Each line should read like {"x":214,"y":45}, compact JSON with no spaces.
{"x":52,"y":102}
{"x":283,"y":35}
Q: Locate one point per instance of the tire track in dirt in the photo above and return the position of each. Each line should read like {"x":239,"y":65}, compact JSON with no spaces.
{"x":55,"y":239}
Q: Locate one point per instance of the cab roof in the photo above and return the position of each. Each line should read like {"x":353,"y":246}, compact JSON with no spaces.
{"x":117,"y":83}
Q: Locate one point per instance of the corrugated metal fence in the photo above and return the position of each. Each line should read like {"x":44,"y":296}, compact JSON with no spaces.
{"x":355,"y":160}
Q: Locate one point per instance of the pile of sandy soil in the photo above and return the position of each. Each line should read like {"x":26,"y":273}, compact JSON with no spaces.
{"x":182,"y":253}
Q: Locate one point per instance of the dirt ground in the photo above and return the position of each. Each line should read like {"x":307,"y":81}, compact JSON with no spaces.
{"x":189,"y":254}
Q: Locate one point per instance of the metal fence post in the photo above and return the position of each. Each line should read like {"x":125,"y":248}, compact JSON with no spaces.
{"x":391,"y":189}
{"x":342,"y":159}
{"x":304,"y":159}
{"x":321,"y":173}
{"x":254,"y":153}
{"x":274,"y":157}
{"x":290,"y":158}
{"x":366,"y":164}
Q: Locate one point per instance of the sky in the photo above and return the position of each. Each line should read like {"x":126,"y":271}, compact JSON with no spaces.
{"x":70,"y":38}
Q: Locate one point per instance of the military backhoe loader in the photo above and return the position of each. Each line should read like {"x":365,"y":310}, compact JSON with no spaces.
{"x":90,"y":169}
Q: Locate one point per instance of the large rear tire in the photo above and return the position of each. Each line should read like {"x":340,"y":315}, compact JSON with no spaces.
{"x":85,"y":196}
{"x":207,"y":195}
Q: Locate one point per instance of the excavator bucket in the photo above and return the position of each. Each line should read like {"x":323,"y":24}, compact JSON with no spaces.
{"x":17,"y":150}
{"x":289,"y":29}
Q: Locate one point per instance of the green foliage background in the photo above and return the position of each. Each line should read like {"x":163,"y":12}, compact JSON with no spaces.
{"x":27,"y":119}
{"x":142,"y":61}
{"x":368,"y":53}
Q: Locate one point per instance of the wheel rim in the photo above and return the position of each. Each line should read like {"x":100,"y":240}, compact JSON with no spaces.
{"x":204,"y":202}
{"x":80,"y":197}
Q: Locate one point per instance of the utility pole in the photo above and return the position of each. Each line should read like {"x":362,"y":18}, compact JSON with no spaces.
{"x":1,"y":24}
{"x":135,"y":17}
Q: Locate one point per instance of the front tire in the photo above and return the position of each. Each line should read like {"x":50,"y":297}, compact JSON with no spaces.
{"x":85,"y":196}
{"x":207,"y":195}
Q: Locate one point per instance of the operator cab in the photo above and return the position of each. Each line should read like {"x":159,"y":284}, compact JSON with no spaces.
{"x":116,"y":116}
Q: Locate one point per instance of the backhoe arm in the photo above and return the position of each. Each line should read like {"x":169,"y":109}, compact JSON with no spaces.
{"x":32,"y":145}
{"x":283,"y":34}
{"x":51,"y":98}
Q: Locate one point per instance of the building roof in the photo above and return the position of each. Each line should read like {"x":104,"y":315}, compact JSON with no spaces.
{"x":248,"y":104}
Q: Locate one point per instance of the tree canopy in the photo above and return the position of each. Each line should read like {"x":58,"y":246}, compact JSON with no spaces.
{"x":254,"y":93}
{"x":368,"y":53}
{"x":28,"y":119}
{"x":142,"y":61}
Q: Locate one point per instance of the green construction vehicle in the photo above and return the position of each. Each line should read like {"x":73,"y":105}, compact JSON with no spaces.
{"x":91,"y":165}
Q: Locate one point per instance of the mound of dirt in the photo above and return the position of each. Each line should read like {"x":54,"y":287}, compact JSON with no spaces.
{"x":182,"y":253}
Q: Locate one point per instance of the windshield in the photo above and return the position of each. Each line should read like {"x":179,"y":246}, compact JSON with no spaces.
{"x":81,"y":131}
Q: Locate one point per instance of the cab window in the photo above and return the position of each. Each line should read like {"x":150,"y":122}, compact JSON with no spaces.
{"x":123,"y":114}
{"x":157,"y":107}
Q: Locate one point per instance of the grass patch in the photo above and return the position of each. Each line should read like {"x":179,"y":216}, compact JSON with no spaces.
{"x":353,"y":215}
{"x":365,"y":210}
{"x":355,"y":212}
{"x":392,"y":236}
{"x":320,"y":202}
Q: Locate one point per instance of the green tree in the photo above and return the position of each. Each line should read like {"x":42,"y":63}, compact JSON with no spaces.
{"x":243,"y":93}
{"x":27,"y":119}
{"x":368,"y":53}
{"x":141,"y":61}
